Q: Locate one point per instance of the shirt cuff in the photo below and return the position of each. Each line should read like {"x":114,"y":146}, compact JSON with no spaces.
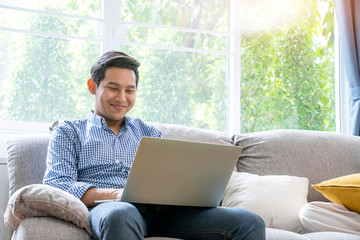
{"x":79,"y":189}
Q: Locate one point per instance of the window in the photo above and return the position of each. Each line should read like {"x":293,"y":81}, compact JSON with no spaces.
{"x":46,"y":49}
{"x":50,"y":47}
{"x":288,"y":65}
{"x":215,"y":64}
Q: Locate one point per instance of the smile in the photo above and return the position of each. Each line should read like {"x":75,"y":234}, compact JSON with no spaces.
{"x":118,"y":107}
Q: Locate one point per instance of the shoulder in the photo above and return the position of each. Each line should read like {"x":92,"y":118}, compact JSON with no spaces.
{"x":68,"y":128}
{"x":142,"y":127}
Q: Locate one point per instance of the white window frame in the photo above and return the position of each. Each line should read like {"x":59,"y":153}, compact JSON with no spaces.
{"x":116,"y":28}
{"x":234,"y":79}
{"x":112,"y":35}
{"x":342,"y":99}
{"x":10,"y":128}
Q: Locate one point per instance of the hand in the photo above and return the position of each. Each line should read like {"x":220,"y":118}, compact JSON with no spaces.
{"x":93,"y":194}
{"x":119,"y":193}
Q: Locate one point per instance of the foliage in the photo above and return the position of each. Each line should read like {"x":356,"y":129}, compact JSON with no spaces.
{"x":41,"y":87}
{"x":287,"y":79}
{"x":287,"y":74}
{"x":45,"y":84}
{"x":180,"y":87}
{"x":184,"y":89}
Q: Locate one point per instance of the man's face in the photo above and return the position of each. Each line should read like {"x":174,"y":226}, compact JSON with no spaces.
{"x":115,"y":95}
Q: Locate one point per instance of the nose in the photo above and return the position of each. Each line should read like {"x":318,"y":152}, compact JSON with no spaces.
{"x":122,"y":96}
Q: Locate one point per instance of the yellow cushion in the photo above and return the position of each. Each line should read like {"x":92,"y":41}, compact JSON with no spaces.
{"x":342,"y":190}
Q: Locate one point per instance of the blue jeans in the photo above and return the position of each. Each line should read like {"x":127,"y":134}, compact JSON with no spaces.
{"x":120,"y":220}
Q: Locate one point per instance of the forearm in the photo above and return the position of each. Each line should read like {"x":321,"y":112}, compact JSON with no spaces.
{"x":93,"y":194}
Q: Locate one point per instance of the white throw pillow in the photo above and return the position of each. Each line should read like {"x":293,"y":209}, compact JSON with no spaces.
{"x":276,"y":198}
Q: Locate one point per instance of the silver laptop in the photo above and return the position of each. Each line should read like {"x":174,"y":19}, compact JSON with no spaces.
{"x":173,"y":172}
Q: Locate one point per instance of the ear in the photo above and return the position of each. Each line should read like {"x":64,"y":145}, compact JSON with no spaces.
{"x":91,"y":86}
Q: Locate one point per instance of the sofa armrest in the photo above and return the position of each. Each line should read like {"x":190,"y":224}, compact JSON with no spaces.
{"x":40,"y":200}
{"x":44,"y":228}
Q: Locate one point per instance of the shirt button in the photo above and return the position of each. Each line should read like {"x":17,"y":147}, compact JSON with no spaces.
{"x":117,"y":161}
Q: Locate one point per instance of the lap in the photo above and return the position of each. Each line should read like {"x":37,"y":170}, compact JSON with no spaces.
{"x":113,"y":219}
{"x":112,"y":208}
{"x":204,"y":223}
{"x":183,"y":222}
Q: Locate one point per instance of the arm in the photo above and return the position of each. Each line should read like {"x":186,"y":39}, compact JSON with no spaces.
{"x":93,"y":194}
{"x":62,"y":171}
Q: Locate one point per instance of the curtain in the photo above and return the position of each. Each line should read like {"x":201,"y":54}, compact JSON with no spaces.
{"x":348,"y":19}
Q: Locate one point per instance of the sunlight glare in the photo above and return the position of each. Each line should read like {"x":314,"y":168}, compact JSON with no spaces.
{"x":263,"y":15}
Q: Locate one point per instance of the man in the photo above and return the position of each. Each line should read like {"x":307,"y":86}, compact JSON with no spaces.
{"x":91,"y":159}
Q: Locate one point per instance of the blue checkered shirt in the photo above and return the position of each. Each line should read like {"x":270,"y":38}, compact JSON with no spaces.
{"x":85,"y":153}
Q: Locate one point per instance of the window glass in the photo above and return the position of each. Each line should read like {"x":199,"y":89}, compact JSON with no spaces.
{"x":181,"y":88}
{"x":44,"y":23}
{"x":44,"y":65}
{"x":89,"y":8}
{"x":287,"y":65}
{"x":287,"y":60}
{"x":184,"y":55}
{"x":45,"y":78}
{"x":206,"y":15}
{"x":176,"y":38}
{"x":47,"y":58}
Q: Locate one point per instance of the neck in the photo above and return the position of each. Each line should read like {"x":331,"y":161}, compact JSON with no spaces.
{"x":115,"y":126}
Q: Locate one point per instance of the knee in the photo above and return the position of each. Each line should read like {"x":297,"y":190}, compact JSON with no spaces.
{"x":123,"y":214}
{"x":257,"y":223}
{"x":252,"y":226}
{"x":116,"y":220}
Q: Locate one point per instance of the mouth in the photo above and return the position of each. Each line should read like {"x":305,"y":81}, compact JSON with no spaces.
{"x":118,"y":107}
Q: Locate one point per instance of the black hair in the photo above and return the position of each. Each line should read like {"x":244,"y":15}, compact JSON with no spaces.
{"x":114,"y":59}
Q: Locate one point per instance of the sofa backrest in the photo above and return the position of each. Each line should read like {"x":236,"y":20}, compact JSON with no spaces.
{"x":26,"y":160}
{"x":319,"y":156}
{"x":179,"y":132}
{"x":27,"y":153}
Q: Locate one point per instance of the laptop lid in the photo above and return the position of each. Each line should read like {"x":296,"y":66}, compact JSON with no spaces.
{"x":174,"y":172}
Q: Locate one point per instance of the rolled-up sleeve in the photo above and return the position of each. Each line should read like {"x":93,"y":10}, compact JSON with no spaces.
{"x":61,"y":162}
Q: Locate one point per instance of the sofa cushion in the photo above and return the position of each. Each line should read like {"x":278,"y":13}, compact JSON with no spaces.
{"x":316,"y":155}
{"x":343,"y":190}
{"x":331,"y":236}
{"x":327,"y":216}
{"x":277,"y":199}
{"x":40,"y":200}
{"x":278,"y":234}
{"x":179,"y":132}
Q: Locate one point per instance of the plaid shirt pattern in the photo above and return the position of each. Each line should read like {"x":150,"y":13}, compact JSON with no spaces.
{"x":85,"y":153}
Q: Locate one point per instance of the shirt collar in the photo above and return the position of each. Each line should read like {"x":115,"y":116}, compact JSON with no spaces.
{"x":100,"y":121}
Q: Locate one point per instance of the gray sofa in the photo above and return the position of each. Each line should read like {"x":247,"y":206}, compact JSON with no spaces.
{"x":35,"y":212}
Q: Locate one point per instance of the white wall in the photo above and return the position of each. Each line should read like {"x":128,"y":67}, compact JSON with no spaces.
{"x":4,"y":197}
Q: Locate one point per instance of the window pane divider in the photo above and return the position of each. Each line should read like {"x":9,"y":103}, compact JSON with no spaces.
{"x":180,"y":29}
{"x":51,"y":13}
{"x":182,"y":49}
{"x":44,"y":34}
{"x":234,"y":76}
